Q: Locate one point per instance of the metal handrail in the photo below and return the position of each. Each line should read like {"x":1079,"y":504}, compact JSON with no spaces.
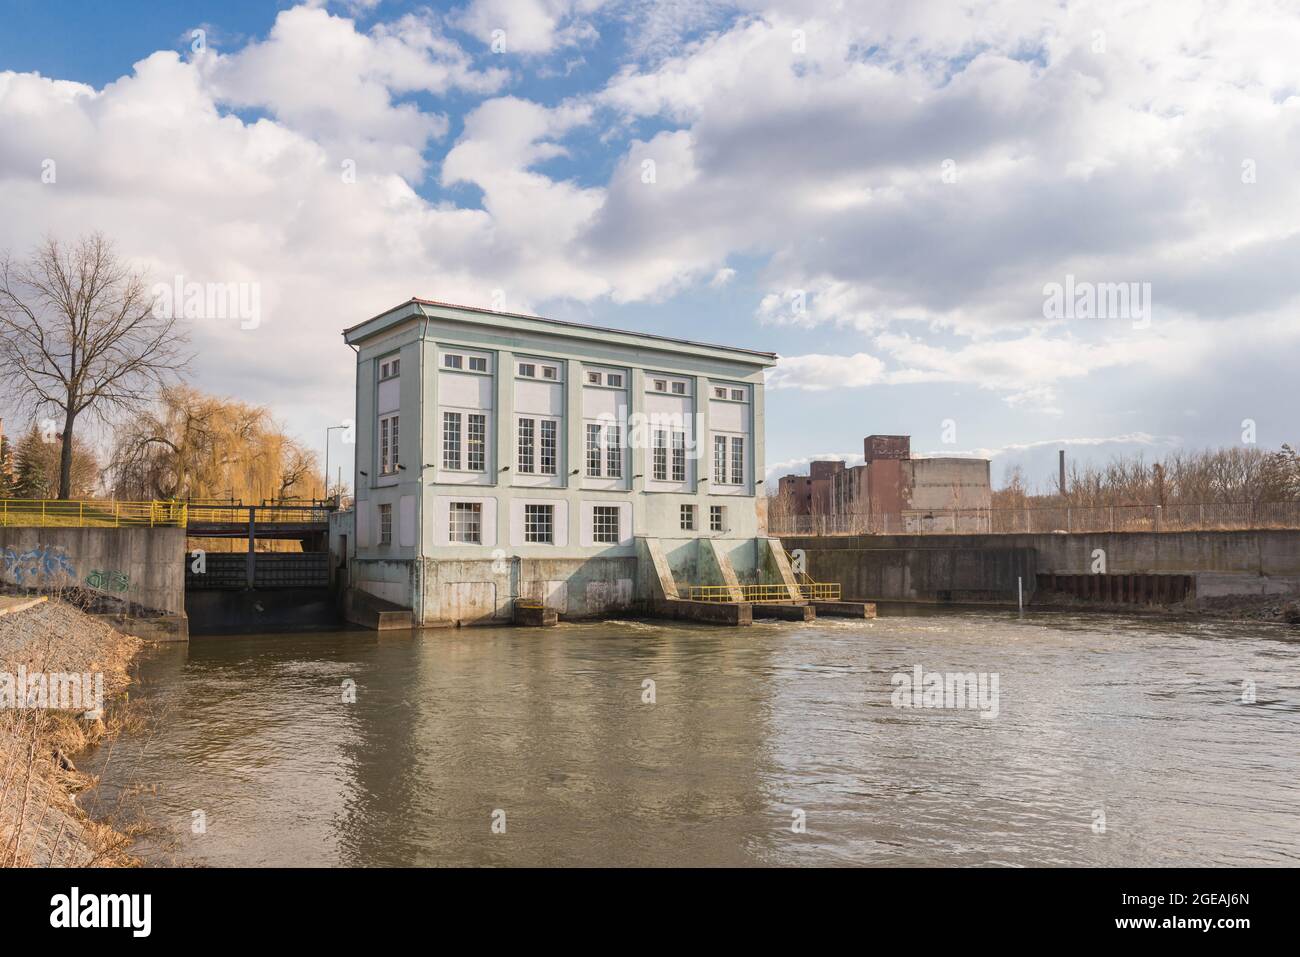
{"x":73,"y":513}
{"x":766,"y":593}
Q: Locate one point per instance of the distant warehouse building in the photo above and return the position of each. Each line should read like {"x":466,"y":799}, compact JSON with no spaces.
{"x":889,"y":492}
{"x":503,"y":457}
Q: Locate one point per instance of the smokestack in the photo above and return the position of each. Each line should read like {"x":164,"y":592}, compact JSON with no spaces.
{"x":1062,"y":478}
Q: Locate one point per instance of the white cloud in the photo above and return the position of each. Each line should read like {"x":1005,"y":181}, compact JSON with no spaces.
{"x":819,"y":373}
{"x":322,"y":78}
{"x":824,"y":167}
{"x":529,"y":26}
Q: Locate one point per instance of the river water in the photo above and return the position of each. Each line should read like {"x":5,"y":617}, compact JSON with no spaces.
{"x":1117,"y":741}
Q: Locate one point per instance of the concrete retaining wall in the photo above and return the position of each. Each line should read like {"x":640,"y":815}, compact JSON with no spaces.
{"x":953,"y":567}
{"x":481,"y":592}
{"x":142,"y":568}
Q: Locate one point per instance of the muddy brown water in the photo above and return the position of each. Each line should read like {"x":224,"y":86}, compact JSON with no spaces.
{"x":1118,"y":741}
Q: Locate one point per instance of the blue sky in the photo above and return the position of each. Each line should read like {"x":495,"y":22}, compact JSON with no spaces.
{"x":881,"y":192}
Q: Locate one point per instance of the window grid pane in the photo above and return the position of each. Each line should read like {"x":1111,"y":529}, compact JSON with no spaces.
{"x":385,"y":525}
{"x":679,"y":456}
{"x":466,"y":523}
{"x":661,"y":456}
{"x":720,"y":459}
{"x":716,"y":518}
{"x":688,"y":518}
{"x":613,"y":451}
{"x":383,"y":445}
{"x":548,"y":447}
{"x":476,"y":442}
{"x":526,"y":446}
{"x":593,"y":450}
{"x":451,"y":440}
{"x":604,"y":524}
{"x":538,"y":523}
{"x":737,"y":460}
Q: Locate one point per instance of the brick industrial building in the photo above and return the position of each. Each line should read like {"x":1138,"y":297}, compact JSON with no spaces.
{"x":890,"y":491}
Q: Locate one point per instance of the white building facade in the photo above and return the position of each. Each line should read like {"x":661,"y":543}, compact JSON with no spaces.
{"x":503,"y":456}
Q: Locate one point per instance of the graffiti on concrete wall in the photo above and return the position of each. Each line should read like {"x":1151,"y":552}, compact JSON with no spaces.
{"x":108,"y":581}
{"x":39,"y":565}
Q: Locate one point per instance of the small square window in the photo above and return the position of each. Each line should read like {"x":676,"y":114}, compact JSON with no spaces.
{"x":719,"y":393}
{"x":539,"y":523}
{"x":593,"y":378}
{"x":614,"y":380}
{"x":452,"y":361}
{"x":688,"y":518}
{"x":528,"y":370}
{"x":604,"y":524}
{"x":661,"y":385}
{"x":679,"y":388}
{"x":717,"y":518}
{"x":465,"y":523}
{"x":737,"y":395}
{"x":549,"y":372}
{"x":478,"y":363}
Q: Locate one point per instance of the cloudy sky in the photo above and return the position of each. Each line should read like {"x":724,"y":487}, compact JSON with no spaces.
{"x":882,"y":192}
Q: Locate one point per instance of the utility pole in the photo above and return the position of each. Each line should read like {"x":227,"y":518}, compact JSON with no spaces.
{"x":1061,"y":480}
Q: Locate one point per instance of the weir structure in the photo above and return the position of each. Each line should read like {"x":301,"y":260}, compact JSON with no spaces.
{"x":259,"y":589}
{"x":1113,"y":568}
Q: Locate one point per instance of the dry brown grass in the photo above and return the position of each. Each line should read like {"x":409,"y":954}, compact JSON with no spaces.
{"x":41,"y":824}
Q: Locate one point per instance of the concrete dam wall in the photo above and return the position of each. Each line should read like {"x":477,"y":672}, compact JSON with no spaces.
{"x":985,"y":567}
{"x":135,"y":572}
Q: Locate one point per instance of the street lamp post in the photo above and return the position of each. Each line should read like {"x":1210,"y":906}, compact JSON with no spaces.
{"x":327,"y":456}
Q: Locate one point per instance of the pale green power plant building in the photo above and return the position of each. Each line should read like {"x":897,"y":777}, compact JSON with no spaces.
{"x":504,"y":458}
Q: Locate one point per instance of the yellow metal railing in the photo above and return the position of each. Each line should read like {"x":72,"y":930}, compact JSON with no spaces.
{"x":820,"y":591}
{"x":55,"y":513}
{"x":766,"y":594}
{"x":238,"y":514}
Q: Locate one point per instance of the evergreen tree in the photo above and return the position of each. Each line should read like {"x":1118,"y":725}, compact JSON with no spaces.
{"x":31,"y":478}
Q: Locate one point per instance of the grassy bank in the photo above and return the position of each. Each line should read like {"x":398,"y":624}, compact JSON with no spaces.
{"x":40,"y":822}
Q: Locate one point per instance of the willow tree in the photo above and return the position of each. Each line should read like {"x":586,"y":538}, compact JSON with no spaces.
{"x":79,"y":337}
{"x":191,"y":445}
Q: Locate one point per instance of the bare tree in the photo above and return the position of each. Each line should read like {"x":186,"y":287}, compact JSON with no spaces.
{"x":78,"y":335}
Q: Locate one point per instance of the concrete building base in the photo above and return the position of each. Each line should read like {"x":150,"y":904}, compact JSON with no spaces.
{"x":369,"y":611}
{"x":845,"y":609}
{"x":785,"y":612}
{"x":708,"y":612}
{"x":529,"y":615}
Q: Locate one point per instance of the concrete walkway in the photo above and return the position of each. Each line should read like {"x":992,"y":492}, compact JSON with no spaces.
{"x":12,"y":603}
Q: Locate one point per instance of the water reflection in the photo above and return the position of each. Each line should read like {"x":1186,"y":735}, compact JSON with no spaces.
{"x":1138,"y":719}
